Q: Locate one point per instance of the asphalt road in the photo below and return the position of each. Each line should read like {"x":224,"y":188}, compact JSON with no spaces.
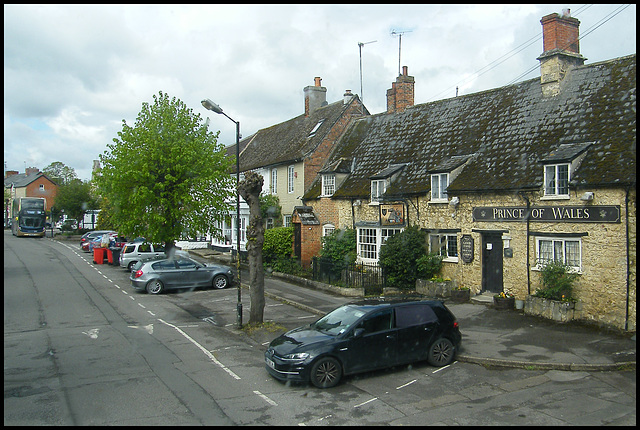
{"x":81,"y":347}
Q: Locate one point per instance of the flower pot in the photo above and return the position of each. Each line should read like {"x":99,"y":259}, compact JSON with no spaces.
{"x":460,"y":296}
{"x":504,"y":302}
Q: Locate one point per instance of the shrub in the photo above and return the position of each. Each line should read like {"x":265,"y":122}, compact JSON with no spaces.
{"x":399,"y":256}
{"x":340,"y":247}
{"x":278,"y":244}
{"x":557,"y":281}
{"x":429,"y":265}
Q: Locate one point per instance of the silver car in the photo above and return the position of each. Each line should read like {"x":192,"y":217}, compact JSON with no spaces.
{"x":140,"y":251}
{"x":156,"y":276}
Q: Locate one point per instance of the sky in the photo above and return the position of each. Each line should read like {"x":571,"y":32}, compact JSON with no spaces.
{"x":73,"y":73}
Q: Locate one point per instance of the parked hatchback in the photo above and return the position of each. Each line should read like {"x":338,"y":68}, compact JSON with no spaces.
{"x":365,"y":336}
{"x":156,"y":276}
{"x":91,"y":235}
{"x":131,"y":253}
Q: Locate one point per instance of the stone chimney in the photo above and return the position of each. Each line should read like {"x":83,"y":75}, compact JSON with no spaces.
{"x":348,"y":96}
{"x":560,"y":39}
{"x":401,"y":94}
{"x":314,"y":97}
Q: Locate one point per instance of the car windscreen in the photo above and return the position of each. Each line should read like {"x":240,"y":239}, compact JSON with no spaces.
{"x":339,"y":320}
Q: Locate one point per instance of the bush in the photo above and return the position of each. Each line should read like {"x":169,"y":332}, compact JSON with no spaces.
{"x":399,"y":256}
{"x":557,"y":282}
{"x":429,"y":265}
{"x":340,"y":247}
{"x":278,"y":244}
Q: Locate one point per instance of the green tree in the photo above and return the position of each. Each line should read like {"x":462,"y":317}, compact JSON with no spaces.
{"x":60,"y":173}
{"x":167,"y":175}
{"x":75,"y":198}
{"x":341,"y":247}
{"x":399,"y":256}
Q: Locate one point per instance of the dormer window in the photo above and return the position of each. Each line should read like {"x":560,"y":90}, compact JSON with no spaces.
{"x":556,"y":180}
{"x":439,"y":184}
{"x":378,"y":188}
{"x":328,"y":184}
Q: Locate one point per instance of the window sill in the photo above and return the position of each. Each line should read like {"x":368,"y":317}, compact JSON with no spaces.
{"x":555,"y":197}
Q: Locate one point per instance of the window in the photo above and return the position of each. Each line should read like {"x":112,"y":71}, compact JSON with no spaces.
{"x":412,"y":315}
{"x":327,"y":229}
{"x":378,"y":187}
{"x":556,"y":180}
{"x":287,"y":221}
{"x":290,"y":176}
{"x":377,"y":322}
{"x":371,"y":239}
{"x":328,"y":185}
{"x":269,"y":223}
{"x":439,"y":184}
{"x":274,"y":181}
{"x":567,"y":251}
{"x":313,"y":132}
{"x":41,"y":187}
{"x":445,"y":245}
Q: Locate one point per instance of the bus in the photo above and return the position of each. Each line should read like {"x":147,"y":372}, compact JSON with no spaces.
{"x":28,"y":216}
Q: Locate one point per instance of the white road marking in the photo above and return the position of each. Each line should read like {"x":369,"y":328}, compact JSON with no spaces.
{"x":203,"y":349}
{"x":364,"y":403}
{"x":408,"y":383}
{"x":93,"y":333}
{"x":265,"y":398}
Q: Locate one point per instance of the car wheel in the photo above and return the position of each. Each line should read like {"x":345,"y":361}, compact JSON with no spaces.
{"x":220,"y":282}
{"x":130,"y":266}
{"x":441,"y":352}
{"x":326,"y":372}
{"x":155,"y":286}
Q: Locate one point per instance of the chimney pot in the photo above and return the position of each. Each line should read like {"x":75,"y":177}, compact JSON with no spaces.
{"x":405,"y":71}
{"x":317,"y":80}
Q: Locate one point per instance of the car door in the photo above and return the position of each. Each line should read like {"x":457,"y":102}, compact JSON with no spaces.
{"x":416,"y":326}
{"x":373,"y":343}
{"x":167,"y":272}
{"x":192,"y":272}
{"x":157,"y":250}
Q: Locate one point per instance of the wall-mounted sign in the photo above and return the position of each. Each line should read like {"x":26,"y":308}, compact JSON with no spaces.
{"x":466,"y":248}
{"x":392,"y":214}
{"x":549,"y":214}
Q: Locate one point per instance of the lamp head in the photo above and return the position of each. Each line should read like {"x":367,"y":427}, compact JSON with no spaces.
{"x":208,"y":104}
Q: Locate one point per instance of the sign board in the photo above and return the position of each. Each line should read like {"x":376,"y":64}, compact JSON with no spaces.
{"x":392,"y":214}
{"x":466,"y":248}
{"x":549,"y":214}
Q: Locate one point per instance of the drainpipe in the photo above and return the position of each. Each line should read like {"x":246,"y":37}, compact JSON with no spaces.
{"x":526,"y":199}
{"x":626,"y":209}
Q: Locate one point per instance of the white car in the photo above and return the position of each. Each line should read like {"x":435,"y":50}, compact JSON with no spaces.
{"x":140,"y":251}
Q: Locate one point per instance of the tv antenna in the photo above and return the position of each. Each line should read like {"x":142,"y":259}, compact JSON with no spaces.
{"x":360,"y":45}
{"x":399,"y":33}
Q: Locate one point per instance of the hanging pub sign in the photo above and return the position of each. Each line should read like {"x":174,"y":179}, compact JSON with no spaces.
{"x":392,"y":214}
{"x":549,"y":214}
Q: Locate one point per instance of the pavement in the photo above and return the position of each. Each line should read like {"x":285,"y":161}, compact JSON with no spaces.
{"x":490,"y":337}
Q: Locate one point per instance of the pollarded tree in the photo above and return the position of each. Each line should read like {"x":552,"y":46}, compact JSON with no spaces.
{"x":166,"y":176}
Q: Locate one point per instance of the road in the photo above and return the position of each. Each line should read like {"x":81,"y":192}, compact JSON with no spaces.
{"x":81,"y":347}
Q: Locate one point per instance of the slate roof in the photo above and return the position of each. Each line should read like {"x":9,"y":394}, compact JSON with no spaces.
{"x":21,"y":180}
{"x":289,"y":142}
{"x":501,"y":137}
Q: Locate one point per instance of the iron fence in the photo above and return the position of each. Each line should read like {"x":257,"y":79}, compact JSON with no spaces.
{"x":369,"y":277}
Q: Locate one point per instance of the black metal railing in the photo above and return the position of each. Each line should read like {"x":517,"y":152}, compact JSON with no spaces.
{"x":369,"y":277}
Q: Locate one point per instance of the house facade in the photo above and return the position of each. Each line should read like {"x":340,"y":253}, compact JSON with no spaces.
{"x":289,"y":156}
{"x":503,"y":180}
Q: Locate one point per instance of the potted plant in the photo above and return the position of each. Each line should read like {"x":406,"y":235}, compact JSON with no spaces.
{"x":504,"y":300}
{"x":461,"y":294}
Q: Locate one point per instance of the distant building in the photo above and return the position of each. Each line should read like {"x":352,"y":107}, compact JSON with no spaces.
{"x":32,"y":183}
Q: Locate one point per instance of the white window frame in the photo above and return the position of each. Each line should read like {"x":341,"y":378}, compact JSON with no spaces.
{"x":553,"y":187}
{"x":327,"y":229}
{"x":447,"y":245}
{"x":290,"y":178}
{"x":317,"y":126}
{"x":439,"y":185}
{"x":556,"y":249}
{"x":328,"y":185}
{"x":287,"y":221}
{"x":41,"y":187}
{"x":378,"y":188}
{"x":274,"y":181}
{"x":370,"y":240}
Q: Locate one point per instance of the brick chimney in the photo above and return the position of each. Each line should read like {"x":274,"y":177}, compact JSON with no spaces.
{"x":314,"y":97}
{"x":30,"y":170}
{"x":560,"y":39}
{"x":401,"y":94}
{"x":10,"y":173}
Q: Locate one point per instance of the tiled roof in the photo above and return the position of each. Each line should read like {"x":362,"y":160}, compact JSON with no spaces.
{"x":22,"y":179}
{"x":504,"y":136}
{"x":289,"y":141}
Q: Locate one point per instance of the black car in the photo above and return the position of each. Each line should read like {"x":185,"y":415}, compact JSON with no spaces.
{"x":364,"y":336}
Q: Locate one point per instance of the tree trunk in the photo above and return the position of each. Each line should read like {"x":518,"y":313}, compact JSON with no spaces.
{"x":250,"y":189}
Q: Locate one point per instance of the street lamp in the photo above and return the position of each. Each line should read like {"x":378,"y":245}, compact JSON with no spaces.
{"x":209,"y":105}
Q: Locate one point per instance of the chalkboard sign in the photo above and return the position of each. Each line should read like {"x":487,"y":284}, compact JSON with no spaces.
{"x":466,"y":248}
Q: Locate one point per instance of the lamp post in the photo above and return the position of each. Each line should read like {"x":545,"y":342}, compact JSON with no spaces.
{"x":209,"y":105}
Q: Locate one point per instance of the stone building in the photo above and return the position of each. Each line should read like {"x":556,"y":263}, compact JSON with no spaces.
{"x":505,"y":179}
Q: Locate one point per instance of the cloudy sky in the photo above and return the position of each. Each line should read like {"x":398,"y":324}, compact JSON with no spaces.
{"x":73,"y":73}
